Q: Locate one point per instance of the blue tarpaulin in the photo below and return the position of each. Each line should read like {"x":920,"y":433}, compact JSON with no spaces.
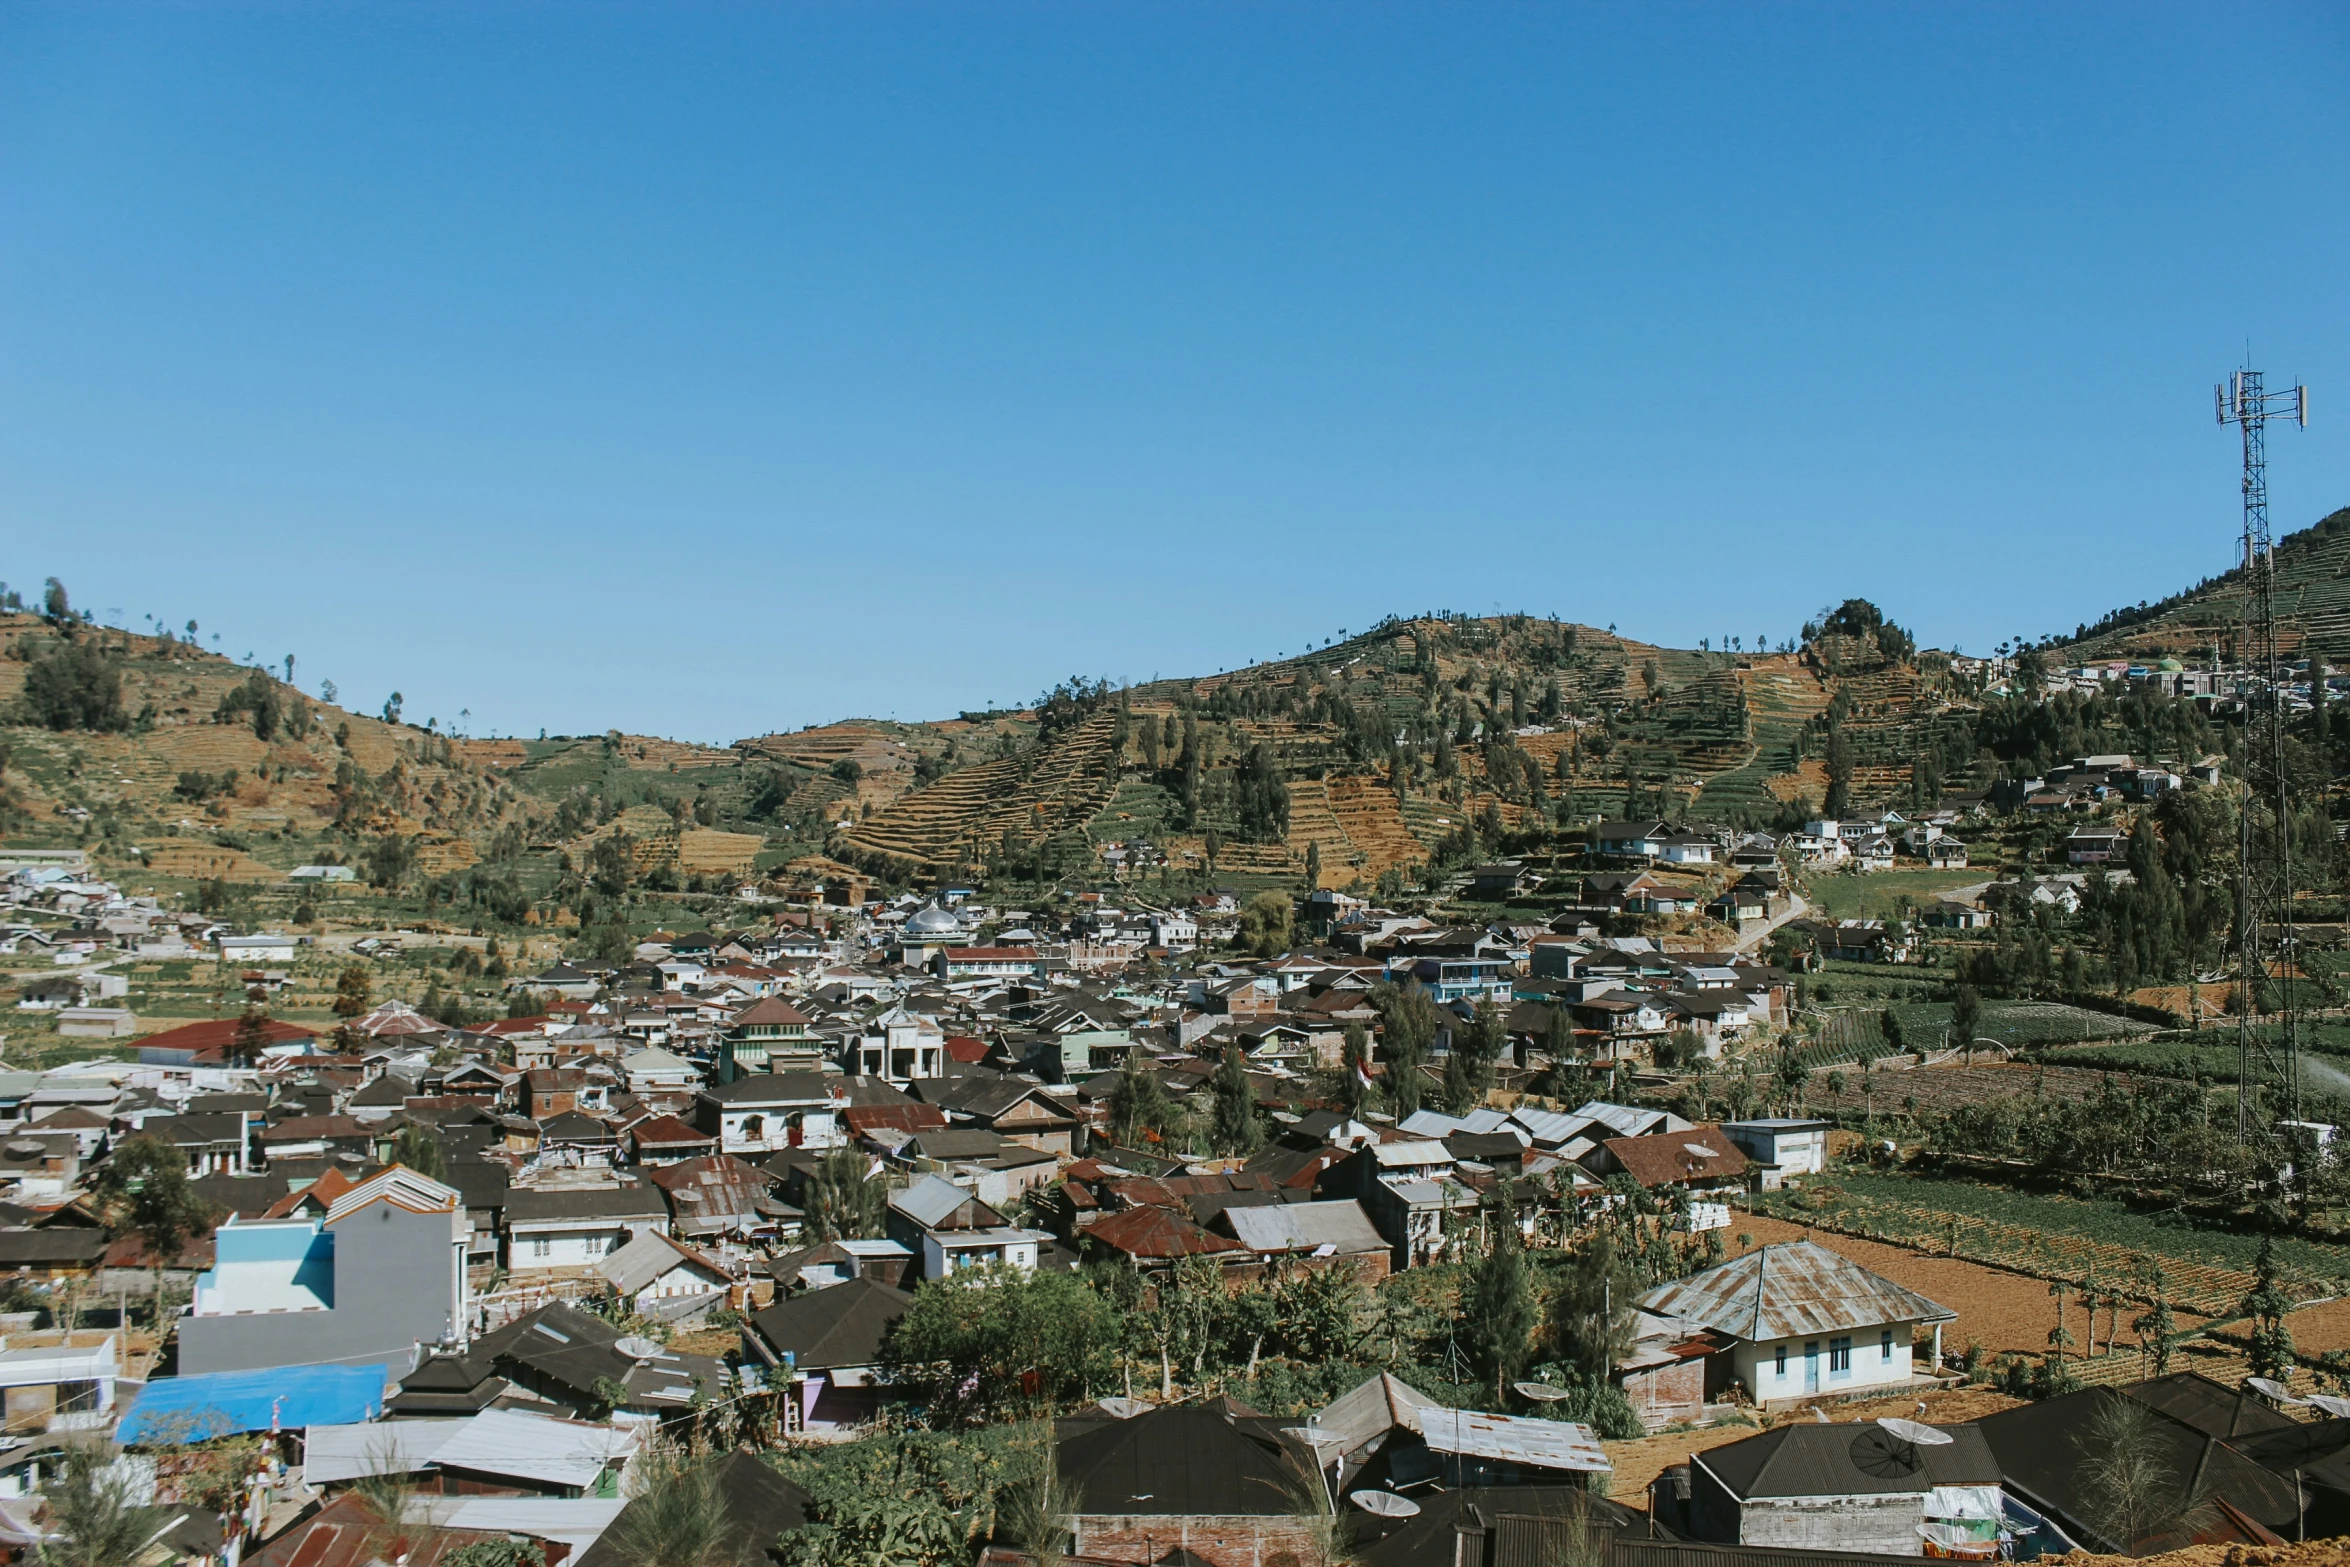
{"x":223,"y":1403}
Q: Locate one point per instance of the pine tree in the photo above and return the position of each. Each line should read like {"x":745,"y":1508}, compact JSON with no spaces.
{"x":1499,"y":1302}
{"x":1235,"y":1130}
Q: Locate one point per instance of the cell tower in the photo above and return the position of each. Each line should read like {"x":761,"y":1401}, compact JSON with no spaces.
{"x":2264,"y":841}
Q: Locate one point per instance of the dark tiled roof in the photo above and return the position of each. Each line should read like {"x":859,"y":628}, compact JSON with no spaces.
{"x":840,"y":1326}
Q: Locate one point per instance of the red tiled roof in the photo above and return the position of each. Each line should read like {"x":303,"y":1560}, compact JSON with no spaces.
{"x":963,"y":1048}
{"x":507,"y":1027}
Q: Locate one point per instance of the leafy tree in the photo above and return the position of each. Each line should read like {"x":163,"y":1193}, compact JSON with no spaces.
{"x":75,"y":685}
{"x":2155,"y":1325}
{"x":390,"y":860}
{"x":999,"y":1344}
{"x":420,"y":1150}
{"x":55,"y":606}
{"x":94,"y":1513}
{"x":1966,"y":1018}
{"x":2270,"y":1350}
{"x":1889,"y":1023}
{"x":897,"y":1499}
{"x":1409,"y":1027}
{"x":1498,"y":1307}
{"x":845,"y":1199}
{"x":1234,"y":1129}
{"x":1140,"y":1110}
{"x":848,"y":770}
{"x":1591,"y":1313}
{"x":246,"y":1045}
{"x":1259,"y":797}
{"x":675,"y":1515}
{"x":142,"y":1189}
{"x":1265,"y":924}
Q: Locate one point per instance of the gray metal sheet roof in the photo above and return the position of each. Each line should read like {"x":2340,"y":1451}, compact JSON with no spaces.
{"x":1789,"y":1290}
{"x":1541,"y":1444}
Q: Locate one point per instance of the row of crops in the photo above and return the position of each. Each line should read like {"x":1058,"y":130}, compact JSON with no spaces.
{"x":1850,"y":1032}
{"x":2193,"y":1279}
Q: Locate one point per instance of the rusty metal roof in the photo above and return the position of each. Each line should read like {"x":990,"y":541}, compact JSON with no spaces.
{"x":1789,"y":1290}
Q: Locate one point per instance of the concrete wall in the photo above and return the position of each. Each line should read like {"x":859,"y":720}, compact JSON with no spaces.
{"x":1757,"y":1365}
{"x":399,"y":1281}
{"x":1886,"y":1525}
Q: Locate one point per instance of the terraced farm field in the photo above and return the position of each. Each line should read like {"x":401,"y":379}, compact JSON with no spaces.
{"x":2061,"y":1233}
{"x":966,"y":814}
{"x":2019,"y":1025}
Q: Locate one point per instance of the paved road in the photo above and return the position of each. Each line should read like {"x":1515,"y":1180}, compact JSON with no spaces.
{"x":1796,"y":909}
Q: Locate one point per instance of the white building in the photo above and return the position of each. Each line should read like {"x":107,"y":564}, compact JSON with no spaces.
{"x":1783,"y":1145}
{"x":1806,"y":1323}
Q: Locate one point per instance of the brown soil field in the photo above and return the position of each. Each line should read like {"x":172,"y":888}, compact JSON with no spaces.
{"x":1642,"y":1460}
{"x":1943,"y":1088}
{"x":2316,"y":1329}
{"x":2000,"y":1311}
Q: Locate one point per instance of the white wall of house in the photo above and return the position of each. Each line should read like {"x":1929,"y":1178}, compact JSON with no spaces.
{"x":578,"y":1245}
{"x":1827,"y":1363}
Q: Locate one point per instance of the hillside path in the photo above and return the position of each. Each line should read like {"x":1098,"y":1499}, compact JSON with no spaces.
{"x":1796,"y":909}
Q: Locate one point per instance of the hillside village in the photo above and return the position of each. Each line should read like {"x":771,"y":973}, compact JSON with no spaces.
{"x":1486,"y":1090}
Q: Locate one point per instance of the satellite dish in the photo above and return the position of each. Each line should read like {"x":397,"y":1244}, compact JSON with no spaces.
{"x":1884,"y":1456}
{"x":1384,"y":1504}
{"x":2270,"y":1387}
{"x":638,"y":1348}
{"x":1916,"y":1432}
{"x":1701,"y":1150}
{"x":2328,"y":1404}
{"x":1541,"y":1392}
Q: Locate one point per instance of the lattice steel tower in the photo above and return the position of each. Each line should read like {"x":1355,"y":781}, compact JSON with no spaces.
{"x":2264,"y":838}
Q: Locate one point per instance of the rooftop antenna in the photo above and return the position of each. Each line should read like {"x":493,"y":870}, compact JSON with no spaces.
{"x":2264,"y":847}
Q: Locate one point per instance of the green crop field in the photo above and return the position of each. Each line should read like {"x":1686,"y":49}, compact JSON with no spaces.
{"x":2019,"y":1025}
{"x":1879,"y":894}
{"x":2162,"y":1232}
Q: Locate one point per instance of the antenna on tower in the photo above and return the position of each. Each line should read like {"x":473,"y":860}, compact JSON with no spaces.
{"x":2271,"y":1052}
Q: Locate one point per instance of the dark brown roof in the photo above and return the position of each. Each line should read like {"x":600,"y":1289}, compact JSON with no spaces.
{"x":1154,"y":1234}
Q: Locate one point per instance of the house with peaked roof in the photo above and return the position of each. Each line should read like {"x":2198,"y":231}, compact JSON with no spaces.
{"x":1806,"y":1323}
{"x":371,"y":1281}
{"x":825,"y":1347}
{"x":1195,"y":1484}
{"x":951,"y":1229}
{"x":661,"y":1277}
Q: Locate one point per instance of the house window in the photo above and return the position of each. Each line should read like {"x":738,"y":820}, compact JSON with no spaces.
{"x":1885,"y":1345}
{"x":1839,"y":1356}
{"x":542,"y":1246}
{"x":1780,"y":1369}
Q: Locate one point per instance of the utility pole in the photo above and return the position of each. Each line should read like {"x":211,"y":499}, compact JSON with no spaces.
{"x":2264,"y":821}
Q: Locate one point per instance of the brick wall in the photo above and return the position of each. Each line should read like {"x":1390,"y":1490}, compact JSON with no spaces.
{"x":1276,"y":1541}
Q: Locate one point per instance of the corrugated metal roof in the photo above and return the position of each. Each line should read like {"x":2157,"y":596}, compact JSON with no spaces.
{"x":1303,"y":1226}
{"x":576,"y":1521}
{"x":1541,"y":1444}
{"x":524,"y":1446}
{"x":372,"y":1447}
{"x":1371,"y":1410}
{"x":1789,"y":1290}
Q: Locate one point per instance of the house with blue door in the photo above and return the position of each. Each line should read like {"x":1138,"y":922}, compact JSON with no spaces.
{"x":1805,"y":1323}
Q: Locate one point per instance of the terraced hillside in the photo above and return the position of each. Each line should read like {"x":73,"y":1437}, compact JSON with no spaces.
{"x":2312,"y":603}
{"x":194,"y":763}
{"x":964,"y":817}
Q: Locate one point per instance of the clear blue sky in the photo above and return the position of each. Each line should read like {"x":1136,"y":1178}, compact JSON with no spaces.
{"x":706,"y":369}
